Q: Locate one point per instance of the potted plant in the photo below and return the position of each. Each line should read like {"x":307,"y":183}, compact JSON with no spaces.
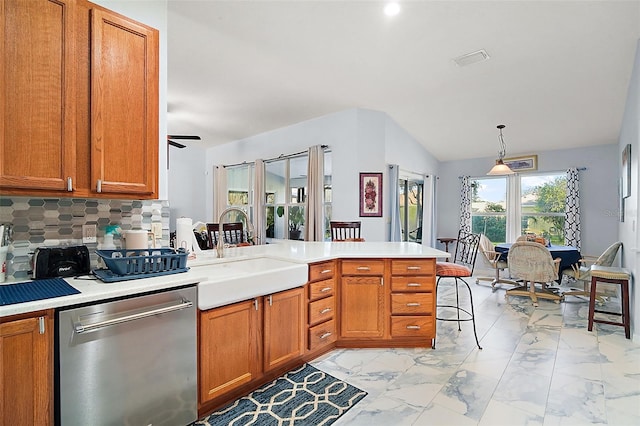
{"x":296,"y":220}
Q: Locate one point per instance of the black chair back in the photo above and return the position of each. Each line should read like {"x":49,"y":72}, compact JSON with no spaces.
{"x":467,"y":249}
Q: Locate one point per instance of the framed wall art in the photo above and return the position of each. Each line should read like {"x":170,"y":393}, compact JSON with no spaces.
{"x":527,"y":163}
{"x":626,"y":171}
{"x":370,"y":195}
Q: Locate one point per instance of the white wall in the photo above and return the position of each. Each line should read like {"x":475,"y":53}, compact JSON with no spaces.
{"x":598,"y":190}
{"x":187,"y":185}
{"x":359,"y":140}
{"x":628,"y":230}
{"x":154,"y":14}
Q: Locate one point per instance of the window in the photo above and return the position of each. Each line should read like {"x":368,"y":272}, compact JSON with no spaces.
{"x":541,"y":203}
{"x":285,"y":203}
{"x":240,"y":190}
{"x":411,"y":195}
{"x":489,"y":208}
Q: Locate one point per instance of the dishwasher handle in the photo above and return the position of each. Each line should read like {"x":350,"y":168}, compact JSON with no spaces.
{"x":81,"y":327}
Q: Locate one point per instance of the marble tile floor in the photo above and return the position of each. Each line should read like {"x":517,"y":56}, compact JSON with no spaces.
{"x":538,"y":366}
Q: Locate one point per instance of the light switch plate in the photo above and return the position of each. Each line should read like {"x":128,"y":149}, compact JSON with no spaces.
{"x":89,"y":234}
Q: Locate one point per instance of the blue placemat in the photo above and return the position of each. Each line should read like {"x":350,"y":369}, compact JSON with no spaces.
{"x":35,"y":290}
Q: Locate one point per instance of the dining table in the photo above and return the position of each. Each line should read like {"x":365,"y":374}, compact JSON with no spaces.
{"x":568,"y":255}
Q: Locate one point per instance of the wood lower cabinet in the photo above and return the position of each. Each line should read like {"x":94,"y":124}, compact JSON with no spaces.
{"x":413,"y":299}
{"x":80,"y":114}
{"x":26,"y":369}
{"x":239,"y":344}
{"x":230,"y":350}
{"x":363,"y":306}
{"x":322,"y":305}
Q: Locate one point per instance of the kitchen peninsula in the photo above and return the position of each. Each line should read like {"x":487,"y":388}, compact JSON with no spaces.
{"x":266,"y":309}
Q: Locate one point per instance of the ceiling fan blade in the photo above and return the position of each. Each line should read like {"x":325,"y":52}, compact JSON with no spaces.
{"x":176,"y":144}
{"x":185,"y":137}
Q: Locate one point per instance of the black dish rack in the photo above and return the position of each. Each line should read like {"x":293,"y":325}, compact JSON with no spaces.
{"x":129,"y":264}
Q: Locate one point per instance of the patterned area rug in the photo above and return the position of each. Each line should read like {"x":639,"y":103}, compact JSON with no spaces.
{"x":306,"y":396}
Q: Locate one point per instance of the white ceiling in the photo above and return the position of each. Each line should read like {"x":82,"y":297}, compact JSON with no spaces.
{"x":557,"y":76}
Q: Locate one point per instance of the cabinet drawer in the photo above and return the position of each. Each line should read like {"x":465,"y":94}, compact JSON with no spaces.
{"x":321,"y":289}
{"x":321,"y":271}
{"x":362,"y":267}
{"x":322,"y":334}
{"x":412,"y":303}
{"x":412,"y":267}
{"x":417,"y":284}
{"x":412,"y":326}
{"x":321,"y":310}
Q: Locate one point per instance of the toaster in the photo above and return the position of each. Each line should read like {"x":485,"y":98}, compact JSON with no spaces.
{"x":51,"y":262}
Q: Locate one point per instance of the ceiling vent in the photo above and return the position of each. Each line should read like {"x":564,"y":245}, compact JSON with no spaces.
{"x":471,"y":58}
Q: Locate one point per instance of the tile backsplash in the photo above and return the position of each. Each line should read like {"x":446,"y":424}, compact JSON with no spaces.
{"x":58,"y":222}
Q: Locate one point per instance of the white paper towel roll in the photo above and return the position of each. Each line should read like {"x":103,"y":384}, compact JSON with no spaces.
{"x":184,"y":233}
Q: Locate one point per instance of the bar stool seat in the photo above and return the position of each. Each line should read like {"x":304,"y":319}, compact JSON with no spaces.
{"x":612,"y":275}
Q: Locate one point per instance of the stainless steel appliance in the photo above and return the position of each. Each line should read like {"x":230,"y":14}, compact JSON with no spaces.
{"x":128,"y":362}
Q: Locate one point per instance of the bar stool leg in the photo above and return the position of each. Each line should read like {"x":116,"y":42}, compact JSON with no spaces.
{"x":625,"y":308}
{"x":592,"y":302}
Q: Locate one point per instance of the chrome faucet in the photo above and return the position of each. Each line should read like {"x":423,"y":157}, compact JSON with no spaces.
{"x":250,"y":228}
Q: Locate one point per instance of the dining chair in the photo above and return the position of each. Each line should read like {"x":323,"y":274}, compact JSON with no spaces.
{"x":345,"y":231}
{"x":460,"y":268}
{"x":581,"y":271}
{"x":492,"y":259}
{"x":233,"y":233}
{"x":532,"y":263}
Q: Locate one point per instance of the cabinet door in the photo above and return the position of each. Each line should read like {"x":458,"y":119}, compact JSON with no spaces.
{"x":229,"y":348}
{"x":362,"y":307}
{"x":124,"y":106}
{"x":37,"y":124}
{"x":26,"y":374}
{"x":284,"y":327}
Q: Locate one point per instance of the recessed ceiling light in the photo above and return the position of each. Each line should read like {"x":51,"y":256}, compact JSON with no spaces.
{"x":392,"y":9}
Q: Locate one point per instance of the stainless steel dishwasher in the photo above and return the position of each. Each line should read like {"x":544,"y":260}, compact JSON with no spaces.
{"x":128,"y":362}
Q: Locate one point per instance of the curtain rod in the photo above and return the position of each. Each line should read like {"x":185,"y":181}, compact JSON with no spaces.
{"x":280,"y":157}
{"x":549,"y":171}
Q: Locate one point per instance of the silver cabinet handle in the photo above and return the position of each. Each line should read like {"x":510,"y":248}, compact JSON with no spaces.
{"x":325,"y":335}
{"x":69,"y":184}
{"x":99,"y":185}
{"x":326,"y":289}
{"x":413,"y":327}
{"x":325,"y":271}
{"x":270,"y":300}
{"x":363,"y":268}
{"x":381,"y":281}
{"x":414,"y":285}
{"x":413,"y":304}
{"x":81,"y":327}
{"x":255,"y":303}
{"x":41,"y":324}
{"x":413,"y":268}
{"x":325,"y":310}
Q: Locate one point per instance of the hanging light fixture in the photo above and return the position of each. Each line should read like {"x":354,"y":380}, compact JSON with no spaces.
{"x":500,"y":168}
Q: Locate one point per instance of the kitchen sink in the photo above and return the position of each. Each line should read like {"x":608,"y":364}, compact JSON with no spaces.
{"x":236,"y":280}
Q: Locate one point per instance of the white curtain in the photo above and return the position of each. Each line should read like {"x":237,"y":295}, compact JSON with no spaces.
{"x":258,"y":203}
{"x":465,"y":204}
{"x":429,"y":225}
{"x":314,"y":223}
{"x":514,"y":227}
{"x":572,"y":210}
{"x":395,"y":233}
{"x":219,"y":191}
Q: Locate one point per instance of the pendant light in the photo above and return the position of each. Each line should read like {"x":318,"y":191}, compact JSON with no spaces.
{"x":500,"y":168}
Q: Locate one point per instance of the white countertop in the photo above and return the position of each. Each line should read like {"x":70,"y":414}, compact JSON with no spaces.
{"x":92,"y":290}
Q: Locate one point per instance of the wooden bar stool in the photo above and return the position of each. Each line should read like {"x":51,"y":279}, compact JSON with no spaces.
{"x":608,"y":274}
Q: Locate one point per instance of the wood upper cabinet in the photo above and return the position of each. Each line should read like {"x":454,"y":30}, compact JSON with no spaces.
{"x":37,"y":93}
{"x":284,"y":327}
{"x":26,"y":370}
{"x":124,"y":105}
{"x":230,"y":349}
{"x":79,"y":98}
